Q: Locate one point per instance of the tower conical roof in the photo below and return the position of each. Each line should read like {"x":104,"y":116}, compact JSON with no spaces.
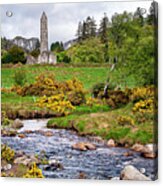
{"x":43,"y":15}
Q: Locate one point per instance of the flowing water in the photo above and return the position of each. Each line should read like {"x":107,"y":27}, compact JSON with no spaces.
{"x":102,"y":163}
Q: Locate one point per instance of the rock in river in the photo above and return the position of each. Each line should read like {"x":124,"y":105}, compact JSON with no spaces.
{"x":46,"y":133}
{"x":149,"y":151}
{"x":21,"y":135}
{"x":111,"y":143}
{"x":137,"y":147}
{"x":26,"y":160}
{"x":17,"y":124}
{"x":84,"y":146}
{"x":131,"y":173}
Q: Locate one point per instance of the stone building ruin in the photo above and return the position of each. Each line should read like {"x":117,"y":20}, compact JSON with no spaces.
{"x":45,"y":56}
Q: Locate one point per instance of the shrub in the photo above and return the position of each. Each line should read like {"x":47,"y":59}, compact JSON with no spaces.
{"x":14,"y":55}
{"x":142,"y":93}
{"x":7,"y":153}
{"x":93,"y":101}
{"x":56,"y":103}
{"x":98,"y":89}
{"x":125,"y":120}
{"x":4,"y":119}
{"x":33,"y":172}
{"x":20,"y":77}
{"x":144,"y":106}
{"x":35,"y":53}
{"x":76,"y":97}
{"x":48,"y":85}
{"x":62,"y":57}
{"x":117,"y":98}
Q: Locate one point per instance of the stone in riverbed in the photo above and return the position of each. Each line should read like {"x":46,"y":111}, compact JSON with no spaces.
{"x":17,"y":124}
{"x":111,"y":143}
{"x":84,"y":146}
{"x":21,"y":135}
{"x":28,"y":131}
{"x":137,"y":147}
{"x":10,"y":133}
{"x":82,"y":175}
{"x":53,"y":165}
{"x":26,"y":160}
{"x":128,"y":154}
{"x":45,"y":133}
{"x":7,"y":167}
{"x":149,"y":151}
{"x":48,"y":133}
{"x":131,"y":173}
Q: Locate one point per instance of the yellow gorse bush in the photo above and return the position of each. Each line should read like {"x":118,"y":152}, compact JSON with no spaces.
{"x":34,"y":172}
{"x":144,"y":106}
{"x":92,"y":101}
{"x":56,"y":103}
{"x":125,"y":120}
{"x":142,"y":93}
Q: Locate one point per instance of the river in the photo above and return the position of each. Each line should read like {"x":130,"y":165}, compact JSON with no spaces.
{"x":102,"y":163}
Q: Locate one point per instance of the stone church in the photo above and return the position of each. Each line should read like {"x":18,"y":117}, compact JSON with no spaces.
{"x":45,"y":56}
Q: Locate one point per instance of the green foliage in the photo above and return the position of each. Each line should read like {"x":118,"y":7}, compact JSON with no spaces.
{"x":7,"y":153}
{"x":14,"y":55}
{"x":88,"y":51}
{"x":57,"y":47}
{"x":20,"y":77}
{"x":136,"y":62}
{"x":141,"y":136}
{"x":62,"y":57}
{"x":4,"y":119}
{"x":103,"y":30}
{"x":35,"y":53}
{"x":99,"y":89}
{"x":86,"y":29}
{"x":118,"y":133}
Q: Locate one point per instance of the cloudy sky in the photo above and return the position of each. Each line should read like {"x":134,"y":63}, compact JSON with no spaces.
{"x":63,"y":18}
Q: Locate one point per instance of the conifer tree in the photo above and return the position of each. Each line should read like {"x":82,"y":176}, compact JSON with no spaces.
{"x":103,"y":30}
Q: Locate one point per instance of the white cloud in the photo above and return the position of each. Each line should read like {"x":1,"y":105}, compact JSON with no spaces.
{"x":63,"y":18}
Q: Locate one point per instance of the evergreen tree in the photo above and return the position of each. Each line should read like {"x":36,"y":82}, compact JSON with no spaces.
{"x":57,"y":47}
{"x":138,"y":15}
{"x":84,"y":30}
{"x":93,"y":27}
{"x":103,"y":30}
{"x":79,"y":31}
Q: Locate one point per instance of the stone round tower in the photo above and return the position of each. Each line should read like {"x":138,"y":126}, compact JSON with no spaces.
{"x":45,"y":56}
{"x":44,"y":33}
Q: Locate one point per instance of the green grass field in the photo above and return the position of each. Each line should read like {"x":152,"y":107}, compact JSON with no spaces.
{"x":87,"y":75}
